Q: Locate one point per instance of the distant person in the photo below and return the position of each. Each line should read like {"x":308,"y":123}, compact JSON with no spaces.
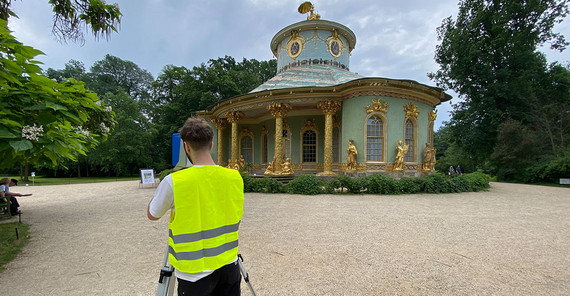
{"x":451,"y":170}
{"x":5,"y":192}
{"x":458,"y":170}
{"x":206,"y":207}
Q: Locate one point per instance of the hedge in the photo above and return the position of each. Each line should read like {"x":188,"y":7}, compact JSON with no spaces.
{"x":373,"y":184}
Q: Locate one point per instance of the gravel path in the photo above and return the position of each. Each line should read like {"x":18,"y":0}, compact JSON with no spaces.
{"x":95,"y":239}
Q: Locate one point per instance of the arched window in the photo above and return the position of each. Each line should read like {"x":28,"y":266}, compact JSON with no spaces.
{"x":409,"y":140}
{"x":374,"y":139}
{"x":336,"y":145}
{"x":309,"y":146}
{"x":247,"y":149}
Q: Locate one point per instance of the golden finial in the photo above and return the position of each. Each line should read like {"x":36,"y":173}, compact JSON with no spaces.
{"x":308,"y":7}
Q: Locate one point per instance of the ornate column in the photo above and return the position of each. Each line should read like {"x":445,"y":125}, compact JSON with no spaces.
{"x":329,"y":108}
{"x":220,"y":124}
{"x":279,"y":111}
{"x":234,"y":117}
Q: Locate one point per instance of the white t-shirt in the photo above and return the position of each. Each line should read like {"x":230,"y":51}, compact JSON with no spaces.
{"x":163,"y":201}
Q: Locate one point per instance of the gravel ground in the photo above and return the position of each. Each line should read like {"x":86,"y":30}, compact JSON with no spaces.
{"x":95,"y":239}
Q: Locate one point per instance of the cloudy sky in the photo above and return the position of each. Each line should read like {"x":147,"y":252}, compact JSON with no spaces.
{"x":395,"y":38}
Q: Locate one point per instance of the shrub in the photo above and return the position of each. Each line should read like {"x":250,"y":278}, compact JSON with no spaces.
{"x":437,"y":183}
{"x":382,"y":185}
{"x":460,"y":183}
{"x":345,"y":181}
{"x":271,"y":185}
{"x":358,"y":185}
{"x":557,"y":168}
{"x":411,"y":185}
{"x":332,"y":185}
{"x":305,"y":184}
{"x":165,"y":173}
{"x":478,"y":181}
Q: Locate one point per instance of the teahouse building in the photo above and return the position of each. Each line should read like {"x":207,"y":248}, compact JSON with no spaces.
{"x":315,"y":116}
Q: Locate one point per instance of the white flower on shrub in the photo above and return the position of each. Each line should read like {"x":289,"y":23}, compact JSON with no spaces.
{"x":103,"y":127}
{"x":83,"y":131}
{"x":98,"y":103}
{"x":32,"y":133}
{"x":108,"y":109}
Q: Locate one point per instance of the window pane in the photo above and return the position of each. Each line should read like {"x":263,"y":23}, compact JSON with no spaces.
{"x":309,"y":146}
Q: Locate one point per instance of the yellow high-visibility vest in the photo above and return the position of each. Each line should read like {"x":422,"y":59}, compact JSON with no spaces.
{"x":208,"y":203}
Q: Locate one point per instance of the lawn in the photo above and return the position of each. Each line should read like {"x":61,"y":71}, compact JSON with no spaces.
{"x":13,"y":236}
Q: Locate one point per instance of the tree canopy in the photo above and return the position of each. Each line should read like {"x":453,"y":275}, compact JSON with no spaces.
{"x":489,"y":56}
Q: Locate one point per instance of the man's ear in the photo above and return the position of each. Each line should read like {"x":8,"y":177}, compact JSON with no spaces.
{"x":211,"y":145}
{"x":187,"y":148}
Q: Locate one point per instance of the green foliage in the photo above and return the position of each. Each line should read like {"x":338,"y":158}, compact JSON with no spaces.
{"x":262,"y":185}
{"x":411,"y":185}
{"x":488,"y":55}
{"x":332,"y":185}
{"x":557,"y":168}
{"x":478,"y":181}
{"x":165,"y":173}
{"x":42,"y":121}
{"x":382,"y":185}
{"x":70,"y":17}
{"x":306,"y":184}
{"x":438,"y":183}
{"x":358,"y":185}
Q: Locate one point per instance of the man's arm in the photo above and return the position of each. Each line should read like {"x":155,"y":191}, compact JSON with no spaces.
{"x":149,"y":215}
{"x":162,"y":201}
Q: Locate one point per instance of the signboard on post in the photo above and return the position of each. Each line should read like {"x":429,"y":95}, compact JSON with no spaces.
{"x":147,"y":177}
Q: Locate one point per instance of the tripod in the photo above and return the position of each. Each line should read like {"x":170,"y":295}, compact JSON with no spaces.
{"x":166,"y":284}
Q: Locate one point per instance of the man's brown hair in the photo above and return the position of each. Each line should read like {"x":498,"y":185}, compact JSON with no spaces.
{"x":197,"y":133}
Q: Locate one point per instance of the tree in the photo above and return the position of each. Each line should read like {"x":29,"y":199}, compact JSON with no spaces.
{"x":43,"y":121}
{"x":178,"y":92}
{"x":112,"y":73}
{"x":73,"y":69}
{"x":129,"y":147}
{"x":70,"y":17}
{"x":488,"y":55}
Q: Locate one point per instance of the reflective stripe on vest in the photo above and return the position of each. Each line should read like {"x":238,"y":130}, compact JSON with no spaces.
{"x":208,"y":202}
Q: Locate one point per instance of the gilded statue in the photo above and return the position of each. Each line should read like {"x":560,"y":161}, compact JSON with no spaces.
{"x":402,"y":150}
{"x":286,"y":167}
{"x":427,"y":157}
{"x":351,"y":157}
{"x":269,"y":169}
{"x":433,"y":153}
{"x":241,"y":162}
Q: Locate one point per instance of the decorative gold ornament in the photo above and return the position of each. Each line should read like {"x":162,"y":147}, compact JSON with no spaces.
{"x":234,"y":116}
{"x":295,"y":44}
{"x":279,"y":110}
{"x":432,"y":115}
{"x":377,"y":106}
{"x":309,"y":125}
{"x":329,"y":107}
{"x":220,"y":123}
{"x":335,"y":45}
{"x":308,"y":7}
{"x":411,"y":110}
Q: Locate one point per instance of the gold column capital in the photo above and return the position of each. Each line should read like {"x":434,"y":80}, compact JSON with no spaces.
{"x":220,"y":123}
{"x":279,"y":110}
{"x":329,"y":107}
{"x":234,"y":116}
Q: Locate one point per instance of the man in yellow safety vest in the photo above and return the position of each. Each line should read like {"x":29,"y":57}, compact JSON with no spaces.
{"x":206,"y":203}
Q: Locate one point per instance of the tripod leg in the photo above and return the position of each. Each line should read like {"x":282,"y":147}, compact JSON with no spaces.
{"x":245,"y":274}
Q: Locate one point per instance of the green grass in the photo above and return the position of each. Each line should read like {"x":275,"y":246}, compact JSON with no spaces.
{"x":39,"y":181}
{"x":9,"y":245}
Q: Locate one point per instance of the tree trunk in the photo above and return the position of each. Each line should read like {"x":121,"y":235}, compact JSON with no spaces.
{"x":26,"y":172}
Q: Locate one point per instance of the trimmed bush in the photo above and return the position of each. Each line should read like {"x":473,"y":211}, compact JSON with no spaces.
{"x":262,"y":185}
{"x":358,"y":185}
{"x":478,"y":181}
{"x":437,"y":183}
{"x":345,"y":181}
{"x":411,"y":185}
{"x":382,"y":185}
{"x":305,"y":184}
{"x":332,"y":185}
